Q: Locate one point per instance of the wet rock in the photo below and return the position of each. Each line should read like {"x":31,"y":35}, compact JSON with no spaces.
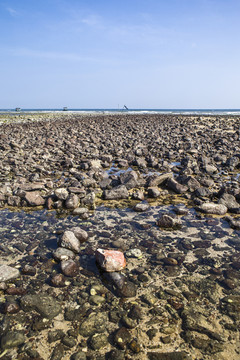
{"x":12,"y":339}
{"x":176,"y":187}
{"x":69,"y":267}
{"x":80,"y":234}
{"x":212,"y":208}
{"x":129,"y":179}
{"x":143,"y":206}
{"x":3,"y":286}
{"x":45,"y":305}
{"x":16,"y":291}
{"x":180,"y":210}
{"x":72,"y":201}
{"x":156,"y":180}
{"x":80,"y":211}
{"x":170,"y":261}
{"x":110,"y":260}
{"x":154,"y":192}
{"x":138,"y":195}
{"x":117,"y":193}
{"x":229,"y":201}
{"x":80,"y":355}
{"x":58,"y":280}
{"x":63,"y":254}
{"x":210,"y":169}
{"x":135,"y":346}
{"x":191,"y":182}
{"x":168,"y":221}
{"x":8,"y":273}
{"x":96,"y":299}
{"x":151,"y":333}
{"x":10,"y":308}
{"x":61,"y":194}
{"x":128,"y":322}
{"x":29,"y":270}
{"x":196,"y":321}
{"x":58,"y":352}
{"x":122,"y":337}
{"x":135,"y":253}
{"x":201,"y":192}
{"x":94,"y":323}
{"x":149,"y":299}
{"x":98,"y":341}
{"x":128,"y":290}
{"x":234,"y":223}
{"x":34,"y":198}
{"x":69,"y":241}
{"x":68,"y":341}
{"x":89,"y":200}
{"x":13,"y":200}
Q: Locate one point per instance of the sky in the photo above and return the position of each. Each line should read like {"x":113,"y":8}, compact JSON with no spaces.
{"x":160,"y":54}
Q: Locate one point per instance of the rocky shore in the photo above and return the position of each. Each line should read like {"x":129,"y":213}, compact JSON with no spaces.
{"x":163,"y":191}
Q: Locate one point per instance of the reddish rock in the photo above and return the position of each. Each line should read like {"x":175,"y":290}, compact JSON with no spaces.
{"x":110,"y":260}
{"x":16,"y":291}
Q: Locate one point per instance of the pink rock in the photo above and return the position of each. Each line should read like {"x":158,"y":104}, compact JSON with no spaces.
{"x":110,"y":260}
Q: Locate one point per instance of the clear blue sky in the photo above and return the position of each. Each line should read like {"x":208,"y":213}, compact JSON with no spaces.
{"x":101,"y":53}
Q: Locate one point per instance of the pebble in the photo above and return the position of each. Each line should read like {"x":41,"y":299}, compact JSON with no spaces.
{"x":69,"y":267}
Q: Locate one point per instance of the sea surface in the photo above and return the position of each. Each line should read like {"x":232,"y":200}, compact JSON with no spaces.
{"x":131,"y":111}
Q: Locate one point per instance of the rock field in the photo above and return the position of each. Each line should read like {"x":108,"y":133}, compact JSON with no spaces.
{"x":119,"y":237}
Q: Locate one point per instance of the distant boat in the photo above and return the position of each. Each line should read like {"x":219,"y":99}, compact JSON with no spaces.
{"x":65,"y":108}
{"x":125,"y":107}
{"x":17,"y":109}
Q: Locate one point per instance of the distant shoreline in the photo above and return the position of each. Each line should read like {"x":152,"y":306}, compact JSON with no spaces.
{"x":123,"y":111}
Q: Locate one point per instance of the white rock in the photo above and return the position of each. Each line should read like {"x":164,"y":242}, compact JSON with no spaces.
{"x":212,"y":208}
{"x":61,"y":193}
{"x":8,"y":273}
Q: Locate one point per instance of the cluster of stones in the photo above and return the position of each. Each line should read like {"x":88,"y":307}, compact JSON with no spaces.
{"x":184,"y":315}
{"x":99,"y":330}
{"x":63,"y":163}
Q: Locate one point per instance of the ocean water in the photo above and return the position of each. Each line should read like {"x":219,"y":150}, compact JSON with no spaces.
{"x":132,"y":111}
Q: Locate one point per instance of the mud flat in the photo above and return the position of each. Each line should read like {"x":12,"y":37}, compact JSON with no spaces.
{"x":163,"y":190}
